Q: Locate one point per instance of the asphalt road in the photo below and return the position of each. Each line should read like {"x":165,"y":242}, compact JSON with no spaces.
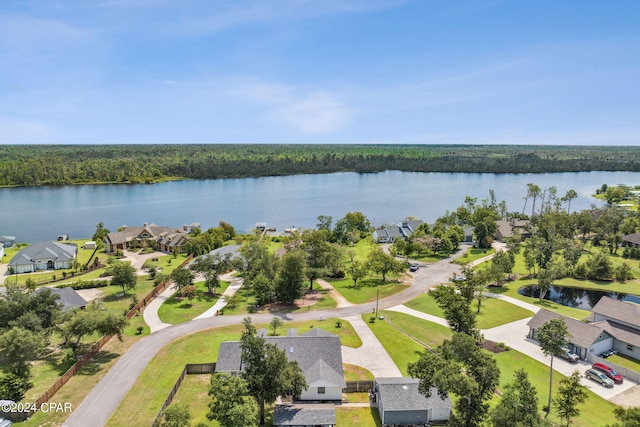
{"x":104,"y":398}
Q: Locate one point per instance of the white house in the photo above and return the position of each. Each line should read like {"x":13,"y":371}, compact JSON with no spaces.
{"x":317,"y":352}
{"x":43,"y":256}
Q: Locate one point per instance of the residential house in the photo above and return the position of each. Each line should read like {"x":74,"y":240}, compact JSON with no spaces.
{"x":400,"y":403}
{"x":1,"y":252}
{"x":507,"y":229}
{"x":621,"y":320}
{"x":8,"y":241}
{"x":309,"y":415}
{"x":317,"y":352}
{"x":68,"y":297}
{"x":44,"y":256}
{"x":631,"y":240}
{"x":388,"y":233}
{"x":164,"y":239}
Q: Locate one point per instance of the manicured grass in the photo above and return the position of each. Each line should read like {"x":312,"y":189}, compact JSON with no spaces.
{"x":426,"y":304}
{"x":595,"y":412}
{"x":625,"y":361}
{"x":358,"y":397}
{"x":361,"y":249}
{"x":367,"y":289}
{"x":495,"y":312}
{"x":356,"y":373}
{"x":361,"y":417}
{"x":429,"y":333}
{"x":473,"y":254}
{"x":401,"y":348}
{"x":177,"y":309}
{"x":193,"y":392}
{"x":142,"y":403}
{"x":81,"y":384}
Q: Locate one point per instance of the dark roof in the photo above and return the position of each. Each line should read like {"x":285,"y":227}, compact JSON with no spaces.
{"x":626,"y":312}
{"x":45,"y":251}
{"x":402,"y":394}
{"x":303,"y":415}
{"x":318,"y":354}
{"x":69,"y":298}
{"x":581,"y":334}
{"x":632,"y":238}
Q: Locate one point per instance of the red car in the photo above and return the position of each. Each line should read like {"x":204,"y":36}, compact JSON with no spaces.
{"x":616,"y":377}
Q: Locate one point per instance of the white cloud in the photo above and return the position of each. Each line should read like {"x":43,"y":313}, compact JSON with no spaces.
{"x":316,"y":113}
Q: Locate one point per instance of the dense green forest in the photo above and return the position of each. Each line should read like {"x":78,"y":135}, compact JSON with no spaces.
{"x":30,"y":165}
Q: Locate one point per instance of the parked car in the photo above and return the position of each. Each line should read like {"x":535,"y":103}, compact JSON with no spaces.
{"x":414,"y":266}
{"x":608,"y":353}
{"x":609,"y":372}
{"x":599,"y":377}
{"x":569,"y":355}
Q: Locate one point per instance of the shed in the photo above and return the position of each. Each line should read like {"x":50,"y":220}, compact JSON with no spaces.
{"x":89,"y":245}
{"x":401,"y":403}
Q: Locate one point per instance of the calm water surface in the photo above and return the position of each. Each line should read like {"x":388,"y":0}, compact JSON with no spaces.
{"x":585,"y":299}
{"x":41,"y":213}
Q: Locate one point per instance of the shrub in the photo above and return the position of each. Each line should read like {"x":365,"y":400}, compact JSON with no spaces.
{"x":338,"y":323}
{"x":13,"y":387}
{"x":140,"y":329}
{"x":372,"y":319}
{"x":68,"y":361}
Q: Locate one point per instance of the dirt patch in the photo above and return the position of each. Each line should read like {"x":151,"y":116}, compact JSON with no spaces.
{"x":308,"y":299}
{"x":493,"y":346}
{"x":90,"y":294}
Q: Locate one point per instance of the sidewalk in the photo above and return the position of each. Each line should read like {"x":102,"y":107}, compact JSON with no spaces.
{"x":234,"y":284}
{"x":371,"y":354}
{"x":337,"y":296}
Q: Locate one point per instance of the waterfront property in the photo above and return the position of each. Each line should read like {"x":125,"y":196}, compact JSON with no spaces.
{"x":401,"y":403}
{"x":317,"y":352}
{"x":7,"y":241}
{"x":165,"y":239}
{"x":388,"y":233}
{"x":507,"y":229}
{"x":44,"y":256}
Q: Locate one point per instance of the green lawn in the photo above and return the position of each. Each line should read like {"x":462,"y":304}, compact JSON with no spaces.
{"x":356,"y":373}
{"x":361,"y":417}
{"x":193,"y":392}
{"x":473,"y":254}
{"x":177,"y":310}
{"x":426,"y":304}
{"x":625,"y":361}
{"x":596,"y":412}
{"x":143,"y":401}
{"x":367,"y":289}
{"x":493,"y":312}
{"x":402,"y":349}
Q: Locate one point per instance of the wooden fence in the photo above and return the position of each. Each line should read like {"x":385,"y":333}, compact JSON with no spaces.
{"x":98,"y":346}
{"x":358,"y":386}
{"x":189,"y":368}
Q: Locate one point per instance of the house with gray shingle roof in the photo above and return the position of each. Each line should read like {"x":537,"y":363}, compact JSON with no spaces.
{"x":401,"y":403}
{"x":631,"y":240}
{"x":67,"y":296}
{"x":43,"y":256}
{"x":584,"y":338}
{"x":621,"y":320}
{"x":506,"y":229}
{"x":388,"y":233}
{"x":8,"y":241}
{"x":304,"y":415}
{"x":317,"y":352}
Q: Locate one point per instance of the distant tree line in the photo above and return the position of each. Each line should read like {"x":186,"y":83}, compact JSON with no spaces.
{"x":33,"y":165}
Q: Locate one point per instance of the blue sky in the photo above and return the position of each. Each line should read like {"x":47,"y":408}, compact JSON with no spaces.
{"x":325,"y":71}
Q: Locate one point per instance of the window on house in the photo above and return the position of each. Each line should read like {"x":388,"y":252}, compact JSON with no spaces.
{"x":321,"y":390}
{"x":629,"y":347}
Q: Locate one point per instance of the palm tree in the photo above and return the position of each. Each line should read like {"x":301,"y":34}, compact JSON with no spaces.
{"x":571,"y":194}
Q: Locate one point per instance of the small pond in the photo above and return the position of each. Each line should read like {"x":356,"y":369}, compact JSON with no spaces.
{"x":576,"y":297}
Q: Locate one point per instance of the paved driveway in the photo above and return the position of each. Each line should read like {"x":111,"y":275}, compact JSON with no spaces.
{"x":104,"y":398}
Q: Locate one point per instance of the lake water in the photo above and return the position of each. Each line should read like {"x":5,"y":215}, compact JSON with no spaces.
{"x":41,"y":213}
{"x":576,"y":297}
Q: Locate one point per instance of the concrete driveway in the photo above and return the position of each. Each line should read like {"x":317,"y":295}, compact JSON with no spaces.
{"x":104,"y":398}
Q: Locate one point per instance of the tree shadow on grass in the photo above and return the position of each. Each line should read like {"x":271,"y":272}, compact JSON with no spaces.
{"x":94,"y":364}
{"x":115,"y":297}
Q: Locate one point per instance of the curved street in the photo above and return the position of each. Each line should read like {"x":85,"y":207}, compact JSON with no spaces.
{"x":104,"y":398}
